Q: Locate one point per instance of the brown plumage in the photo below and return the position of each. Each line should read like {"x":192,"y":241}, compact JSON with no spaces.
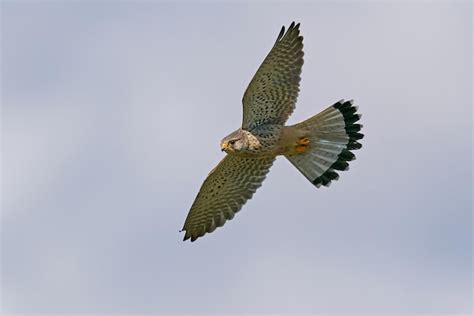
{"x":317,"y":147}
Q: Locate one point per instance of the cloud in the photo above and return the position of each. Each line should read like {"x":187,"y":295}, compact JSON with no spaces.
{"x":112,"y":115}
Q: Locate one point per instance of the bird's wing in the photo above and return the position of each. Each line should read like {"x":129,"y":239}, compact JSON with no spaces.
{"x":272,"y":93}
{"x":227,"y":187}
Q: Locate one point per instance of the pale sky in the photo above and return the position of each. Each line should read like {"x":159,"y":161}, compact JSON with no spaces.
{"x":112,"y":114}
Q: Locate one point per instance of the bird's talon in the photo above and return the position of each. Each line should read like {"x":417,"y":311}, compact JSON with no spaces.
{"x":302,"y":144}
{"x":303,"y":141}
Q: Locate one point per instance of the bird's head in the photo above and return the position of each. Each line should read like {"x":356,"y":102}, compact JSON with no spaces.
{"x":234,"y":142}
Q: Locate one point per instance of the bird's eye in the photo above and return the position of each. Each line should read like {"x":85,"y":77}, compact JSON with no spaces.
{"x":232,"y":142}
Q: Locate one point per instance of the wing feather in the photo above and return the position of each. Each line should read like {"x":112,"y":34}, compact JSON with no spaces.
{"x":225,"y":190}
{"x":271,"y":95}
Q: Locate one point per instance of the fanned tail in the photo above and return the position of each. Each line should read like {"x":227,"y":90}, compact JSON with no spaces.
{"x":332,"y":134}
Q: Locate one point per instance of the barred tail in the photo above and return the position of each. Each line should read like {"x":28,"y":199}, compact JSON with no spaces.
{"x":332,"y":136}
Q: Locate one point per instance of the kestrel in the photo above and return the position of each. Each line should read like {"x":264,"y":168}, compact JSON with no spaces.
{"x":317,"y":147}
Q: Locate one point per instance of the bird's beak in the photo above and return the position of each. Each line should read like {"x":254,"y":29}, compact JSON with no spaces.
{"x":227,"y":147}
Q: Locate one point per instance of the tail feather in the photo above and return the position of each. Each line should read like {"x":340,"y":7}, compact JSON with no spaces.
{"x":333,"y":133}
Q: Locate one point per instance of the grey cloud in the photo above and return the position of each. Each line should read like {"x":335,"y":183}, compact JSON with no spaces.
{"x":112,"y":114}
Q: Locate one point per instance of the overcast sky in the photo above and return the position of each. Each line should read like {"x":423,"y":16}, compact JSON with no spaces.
{"x":112,"y":114}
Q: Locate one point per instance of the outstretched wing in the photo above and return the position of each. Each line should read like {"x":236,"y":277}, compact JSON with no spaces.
{"x":226,"y":189}
{"x":272,"y":93}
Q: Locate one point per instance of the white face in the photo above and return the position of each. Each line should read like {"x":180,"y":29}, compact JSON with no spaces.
{"x":238,"y":144}
{"x":232,"y":145}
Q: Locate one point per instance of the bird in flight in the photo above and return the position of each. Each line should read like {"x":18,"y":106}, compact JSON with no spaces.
{"x":317,"y":147}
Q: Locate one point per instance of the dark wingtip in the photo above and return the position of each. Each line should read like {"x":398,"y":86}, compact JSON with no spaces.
{"x":282,"y":32}
{"x":293,"y":26}
{"x":188,"y":235}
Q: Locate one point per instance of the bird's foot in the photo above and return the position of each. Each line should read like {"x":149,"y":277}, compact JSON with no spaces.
{"x":302,"y":144}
